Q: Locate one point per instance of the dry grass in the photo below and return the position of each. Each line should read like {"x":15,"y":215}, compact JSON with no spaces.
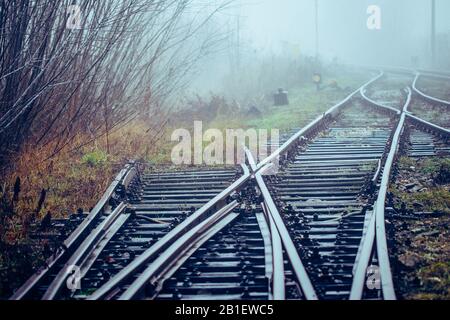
{"x":71,"y":179}
{"x":70,"y":176}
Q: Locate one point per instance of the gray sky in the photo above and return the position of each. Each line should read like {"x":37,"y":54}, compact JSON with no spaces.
{"x":342,"y":25}
{"x":288,"y":26}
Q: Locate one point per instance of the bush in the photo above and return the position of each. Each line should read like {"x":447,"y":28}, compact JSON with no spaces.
{"x":95,"y":158}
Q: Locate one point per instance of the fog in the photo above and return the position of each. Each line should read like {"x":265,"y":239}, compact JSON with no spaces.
{"x":261,"y":28}
{"x":405,"y":26}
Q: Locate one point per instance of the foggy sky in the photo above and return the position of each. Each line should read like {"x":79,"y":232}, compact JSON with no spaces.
{"x":406,"y":24}
{"x":268,"y":27}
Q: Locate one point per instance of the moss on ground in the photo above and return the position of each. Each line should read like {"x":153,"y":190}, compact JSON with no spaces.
{"x":420,"y":251}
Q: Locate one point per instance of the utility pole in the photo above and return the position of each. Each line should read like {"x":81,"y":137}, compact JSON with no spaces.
{"x":238,"y":41}
{"x":317,"y":29}
{"x":433,"y":33}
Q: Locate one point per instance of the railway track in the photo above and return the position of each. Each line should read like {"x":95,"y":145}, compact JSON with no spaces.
{"x":430,"y":108}
{"x":312,"y":231}
{"x":151,"y":205}
{"x":322,"y":193}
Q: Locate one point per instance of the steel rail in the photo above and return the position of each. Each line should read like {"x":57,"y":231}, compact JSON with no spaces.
{"x":95,"y":252}
{"x":69,"y":245}
{"x":363,"y":260}
{"x":428,"y":125}
{"x":377,"y":104}
{"x":405,"y":70}
{"x":435,"y":73}
{"x":125,"y":175}
{"x":279,"y":232}
{"x":410,"y":116}
{"x":166,"y":241}
{"x":376,"y":230}
{"x":332,"y":112}
{"x":264,"y":227}
{"x":173,"y":258}
{"x":376,"y":176}
{"x":82,"y":251}
{"x":390,"y":69}
{"x":278,"y":280}
{"x":397,"y":70}
{"x":387,"y":284}
{"x":427,"y":97}
{"x":291,"y":251}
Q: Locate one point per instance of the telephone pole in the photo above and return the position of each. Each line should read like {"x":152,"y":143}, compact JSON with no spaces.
{"x":317,"y":28}
{"x":238,"y":41}
{"x":433,"y":33}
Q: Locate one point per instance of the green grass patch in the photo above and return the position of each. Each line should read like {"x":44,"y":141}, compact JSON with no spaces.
{"x":95,"y":158}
